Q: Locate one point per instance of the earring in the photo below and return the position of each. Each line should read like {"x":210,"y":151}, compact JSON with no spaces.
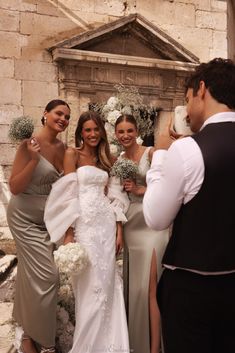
{"x":45,"y":120}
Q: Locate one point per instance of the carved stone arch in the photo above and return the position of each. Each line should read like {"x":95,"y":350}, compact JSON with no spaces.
{"x":132,"y":51}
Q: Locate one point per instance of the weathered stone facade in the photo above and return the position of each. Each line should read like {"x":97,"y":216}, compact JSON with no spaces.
{"x":31,"y":74}
{"x":78,"y":50}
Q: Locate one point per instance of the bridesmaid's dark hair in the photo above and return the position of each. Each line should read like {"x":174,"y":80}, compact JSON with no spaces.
{"x":53,"y":104}
{"x":103,"y":151}
{"x":126,"y":117}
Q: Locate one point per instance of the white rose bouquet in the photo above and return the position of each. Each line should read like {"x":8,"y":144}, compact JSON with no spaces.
{"x":124,"y":168}
{"x":71,"y":258}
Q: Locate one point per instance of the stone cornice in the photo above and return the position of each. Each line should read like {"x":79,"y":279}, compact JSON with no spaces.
{"x":106,"y":58}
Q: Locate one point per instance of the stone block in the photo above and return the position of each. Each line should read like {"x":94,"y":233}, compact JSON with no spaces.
{"x":9,"y":112}
{"x":10,"y":4}
{"x":9,"y":20}
{"x":46,"y":8}
{"x":29,"y":6}
{"x":7,"y":288}
{"x":43,"y":25}
{"x":197,"y":40}
{"x":219,"y":5}
{"x":10,"y":44}
{"x":199,"y":4}
{"x":39,"y":93}
{"x":220,"y":43}
{"x":6,"y":264}
{"x":10,"y":91}
{"x":6,"y":312}
{"x":5,"y":193}
{"x":35,"y":113}
{"x":4,"y":173}
{"x":3,"y":220}
{"x":85,"y":5}
{"x":5,"y":234}
{"x":110,"y":7}
{"x":35,"y":71}
{"x":4,"y":129}
{"x":7,"y":154}
{"x":36,"y":54}
{"x":6,"y":67}
{"x":211,"y":20}
{"x":169,"y":14}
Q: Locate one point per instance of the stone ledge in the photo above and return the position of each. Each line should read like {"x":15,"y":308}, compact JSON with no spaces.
{"x":6,"y":263}
{"x":106,"y":58}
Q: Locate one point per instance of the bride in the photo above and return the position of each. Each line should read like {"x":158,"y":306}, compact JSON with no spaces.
{"x":88,"y":207}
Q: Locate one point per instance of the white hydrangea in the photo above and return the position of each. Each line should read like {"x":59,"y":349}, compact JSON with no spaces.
{"x":112,"y":116}
{"x":71,"y":258}
{"x":126,"y":110}
{"x":113,"y":149}
{"x":112,"y":103}
{"x":139,"y":140}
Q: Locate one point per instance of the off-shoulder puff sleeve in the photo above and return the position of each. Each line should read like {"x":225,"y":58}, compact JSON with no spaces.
{"x":119,"y":199}
{"x":62,"y":206}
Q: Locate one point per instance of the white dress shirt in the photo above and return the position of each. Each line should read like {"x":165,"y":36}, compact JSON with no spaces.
{"x":175,"y":177}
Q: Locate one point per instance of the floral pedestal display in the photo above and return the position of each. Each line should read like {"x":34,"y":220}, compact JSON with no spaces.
{"x":65,"y":315}
{"x":127,"y":101}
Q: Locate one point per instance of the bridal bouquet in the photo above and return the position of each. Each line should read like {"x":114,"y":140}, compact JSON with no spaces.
{"x":21,"y":128}
{"x":71,"y":258}
{"x":124,"y":168}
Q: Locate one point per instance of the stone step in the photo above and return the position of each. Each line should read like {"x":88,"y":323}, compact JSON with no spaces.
{"x":6,"y":263}
{"x":7,"y":244}
{"x":7,"y":287}
{"x":7,"y":328}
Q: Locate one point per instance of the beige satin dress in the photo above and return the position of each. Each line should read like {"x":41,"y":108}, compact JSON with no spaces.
{"x":140,"y":242}
{"x":37,"y":278}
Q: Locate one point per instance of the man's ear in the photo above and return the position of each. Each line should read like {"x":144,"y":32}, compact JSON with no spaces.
{"x":202,"y":89}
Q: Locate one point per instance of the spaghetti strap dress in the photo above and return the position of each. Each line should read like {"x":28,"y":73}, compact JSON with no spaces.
{"x":140,"y":243}
{"x":37,"y":277}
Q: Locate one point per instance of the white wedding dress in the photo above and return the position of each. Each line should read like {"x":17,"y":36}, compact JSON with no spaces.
{"x":79,"y":200}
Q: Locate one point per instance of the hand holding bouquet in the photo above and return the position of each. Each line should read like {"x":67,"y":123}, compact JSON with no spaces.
{"x":71,"y":258}
{"x":124,"y":168}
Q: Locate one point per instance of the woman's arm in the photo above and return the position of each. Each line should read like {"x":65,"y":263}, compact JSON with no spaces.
{"x":130,"y":186}
{"x":26,"y":160}
{"x":119,"y":238}
{"x":70,"y":164}
{"x":69,"y":236}
{"x":70,"y":160}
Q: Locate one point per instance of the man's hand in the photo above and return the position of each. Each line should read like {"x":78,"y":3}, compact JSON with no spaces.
{"x":167,"y":137}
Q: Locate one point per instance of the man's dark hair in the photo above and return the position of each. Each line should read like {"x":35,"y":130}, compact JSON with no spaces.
{"x":219,"y":77}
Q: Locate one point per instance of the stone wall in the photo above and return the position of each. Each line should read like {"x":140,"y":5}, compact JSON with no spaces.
{"x":29,"y":77}
{"x":231,"y":29}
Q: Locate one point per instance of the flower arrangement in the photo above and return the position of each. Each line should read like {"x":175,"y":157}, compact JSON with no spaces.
{"x":127,"y":101}
{"x":65,"y":315}
{"x":21,"y":128}
{"x":124,"y":168}
{"x":71,"y":258}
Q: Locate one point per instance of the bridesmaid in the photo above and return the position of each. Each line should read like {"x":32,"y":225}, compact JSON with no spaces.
{"x":143,"y":248}
{"x":38,"y":163}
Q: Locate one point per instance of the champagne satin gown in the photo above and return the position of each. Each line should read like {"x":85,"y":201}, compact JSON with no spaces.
{"x":140,"y":242}
{"x":37,"y":278}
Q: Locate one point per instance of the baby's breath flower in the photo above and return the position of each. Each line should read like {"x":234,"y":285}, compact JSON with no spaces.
{"x":124,"y":168}
{"x":21,"y":128}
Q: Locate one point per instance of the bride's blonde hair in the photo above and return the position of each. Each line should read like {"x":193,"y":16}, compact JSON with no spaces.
{"x":103,"y":152}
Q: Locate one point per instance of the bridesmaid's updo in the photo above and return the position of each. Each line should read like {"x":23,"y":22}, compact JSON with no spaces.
{"x":53,"y":104}
{"x":126,"y":117}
